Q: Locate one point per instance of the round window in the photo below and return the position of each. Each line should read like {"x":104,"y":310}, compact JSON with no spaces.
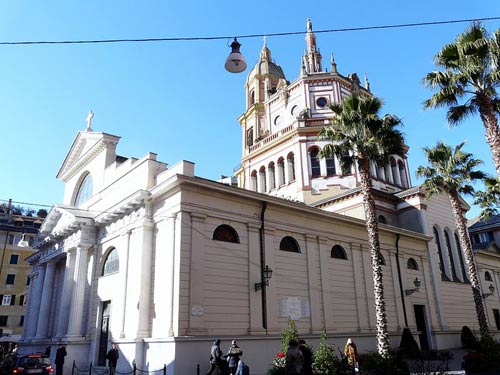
{"x":321,"y":102}
{"x":277,"y":121}
{"x":295,"y":110}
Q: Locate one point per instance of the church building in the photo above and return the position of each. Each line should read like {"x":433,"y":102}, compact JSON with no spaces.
{"x":161,"y":261}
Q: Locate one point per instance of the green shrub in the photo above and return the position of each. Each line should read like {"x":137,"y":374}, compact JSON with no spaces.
{"x":468,"y":339}
{"x":374,"y":364}
{"x":289,"y":333}
{"x":408,"y":346}
{"x":325,"y":361}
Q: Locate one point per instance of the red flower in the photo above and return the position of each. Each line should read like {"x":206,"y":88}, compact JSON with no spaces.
{"x":281,"y":355}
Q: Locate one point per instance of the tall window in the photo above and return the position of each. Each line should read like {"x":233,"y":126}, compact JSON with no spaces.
{"x":450,"y":257}
{"x":10,"y":279}
{"x":3,"y":320}
{"x":271,"y":176}
{"x":291,"y":166}
{"x":330,"y":167}
{"x":84,"y":191}
{"x":281,"y":171}
{"x":112,"y":263}
{"x":402,"y":174}
{"x":249,"y":137}
{"x":412,"y":264}
{"x":262,"y":180}
{"x":487,"y":276}
{"x":253,"y":181}
{"x":440,"y":254}
{"x":14,"y":258}
{"x":226,"y":233}
{"x":315,"y":167}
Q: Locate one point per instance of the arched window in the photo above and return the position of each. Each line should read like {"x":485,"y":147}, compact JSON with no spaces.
{"x":450,"y":257}
{"x":281,"y":171}
{"x":226,"y":233}
{"x":315,"y":167}
{"x":112,"y":263}
{"x":382,"y":219}
{"x":382,"y":260}
{"x":253,"y":181}
{"x":271,"y":176}
{"x":291,"y":167}
{"x":338,"y":252}
{"x":289,"y":243}
{"x":412,"y":264}
{"x":402,"y":173}
{"x":440,"y":254}
{"x":487,"y":276}
{"x":249,"y":137}
{"x":84,"y":190}
{"x":262,"y":180}
{"x":252,"y":97}
{"x":461,"y":257}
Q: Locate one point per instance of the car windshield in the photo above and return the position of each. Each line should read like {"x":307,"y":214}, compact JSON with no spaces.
{"x":33,"y":361}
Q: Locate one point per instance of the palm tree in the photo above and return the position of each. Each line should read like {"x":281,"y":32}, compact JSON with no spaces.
{"x":358,"y":134}
{"x":451,"y":171}
{"x":489,"y":200}
{"x":468,"y":80}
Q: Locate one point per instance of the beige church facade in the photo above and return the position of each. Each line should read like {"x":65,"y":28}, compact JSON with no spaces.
{"x":161,"y":261}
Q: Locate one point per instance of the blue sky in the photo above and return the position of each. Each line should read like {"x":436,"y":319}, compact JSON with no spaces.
{"x":176,"y":99}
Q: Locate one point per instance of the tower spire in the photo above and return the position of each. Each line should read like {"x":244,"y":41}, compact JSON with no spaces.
{"x":312,"y":55}
{"x":333,"y":64}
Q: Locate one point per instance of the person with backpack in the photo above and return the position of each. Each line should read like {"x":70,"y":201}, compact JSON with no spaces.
{"x":294,"y":361}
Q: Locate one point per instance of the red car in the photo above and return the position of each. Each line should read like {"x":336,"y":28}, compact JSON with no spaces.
{"x":36,"y":363}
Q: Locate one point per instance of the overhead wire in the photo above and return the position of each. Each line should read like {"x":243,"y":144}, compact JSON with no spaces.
{"x":246,"y":36}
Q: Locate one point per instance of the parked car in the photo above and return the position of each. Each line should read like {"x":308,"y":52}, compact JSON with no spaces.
{"x":8,"y":363}
{"x":36,"y":363}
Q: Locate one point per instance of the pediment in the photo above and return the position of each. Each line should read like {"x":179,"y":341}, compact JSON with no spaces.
{"x":64,"y":219}
{"x":84,"y":148}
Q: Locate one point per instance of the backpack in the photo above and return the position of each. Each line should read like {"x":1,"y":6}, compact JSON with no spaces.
{"x":245,"y":370}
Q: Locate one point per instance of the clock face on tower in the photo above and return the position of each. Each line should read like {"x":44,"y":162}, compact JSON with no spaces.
{"x":321,"y":102}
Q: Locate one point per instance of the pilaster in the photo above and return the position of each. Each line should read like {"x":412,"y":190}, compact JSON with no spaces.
{"x":256,"y":327}
{"x":146,"y":233}
{"x":359,"y":288}
{"x":197,"y":324}
{"x":314,"y":281}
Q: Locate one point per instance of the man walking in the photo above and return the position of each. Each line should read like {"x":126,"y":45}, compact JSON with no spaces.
{"x":215,"y":357}
{"x":112,"y":357}
{"x":60,"y":354}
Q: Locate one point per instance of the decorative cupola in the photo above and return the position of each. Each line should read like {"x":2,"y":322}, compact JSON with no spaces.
{"x":312,"y":56}
{"x":263,"y":78}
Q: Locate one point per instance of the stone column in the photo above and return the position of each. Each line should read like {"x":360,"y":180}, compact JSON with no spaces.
{"x":78,"y":292}
{"x":145,"y":233}
{"x":35,"y":300}
{"x":67,"y":287}
{"x":46,"y":299}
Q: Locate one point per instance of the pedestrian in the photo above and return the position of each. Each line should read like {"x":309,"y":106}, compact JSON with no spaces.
{"x":294,"y":361}
{"x":351,"y":352}
{"x":242,"y":368}
{"x":112,"y":357}
{"x":60,"y":354}
{"x":215,"y":357}
{"x":308,"y":357}
{"x":47,"y":351}
{"x":233,"y":356}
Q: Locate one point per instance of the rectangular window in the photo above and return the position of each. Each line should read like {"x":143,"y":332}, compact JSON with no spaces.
{"x":14,"y":258}
{"x":21,"y":300}
{"x":28,"y":280}
{"x":13,"y":300}
{"x":496,"y":314}
{"x":10,"y":279}
{"x":21,"y":322}
{"x":3,"y":320}
{"x":7,"y":298}
{"x":11,"y":239}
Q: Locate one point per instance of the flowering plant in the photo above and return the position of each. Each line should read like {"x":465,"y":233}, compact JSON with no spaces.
{"x":279,"y":361}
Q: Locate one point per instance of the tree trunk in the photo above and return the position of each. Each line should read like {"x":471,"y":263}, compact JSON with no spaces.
{"x":492,"y":132}
{"x":373,"y":238}
{"x":466,"y":246}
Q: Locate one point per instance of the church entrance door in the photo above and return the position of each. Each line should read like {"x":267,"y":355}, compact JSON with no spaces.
{"x":103,"y":336}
